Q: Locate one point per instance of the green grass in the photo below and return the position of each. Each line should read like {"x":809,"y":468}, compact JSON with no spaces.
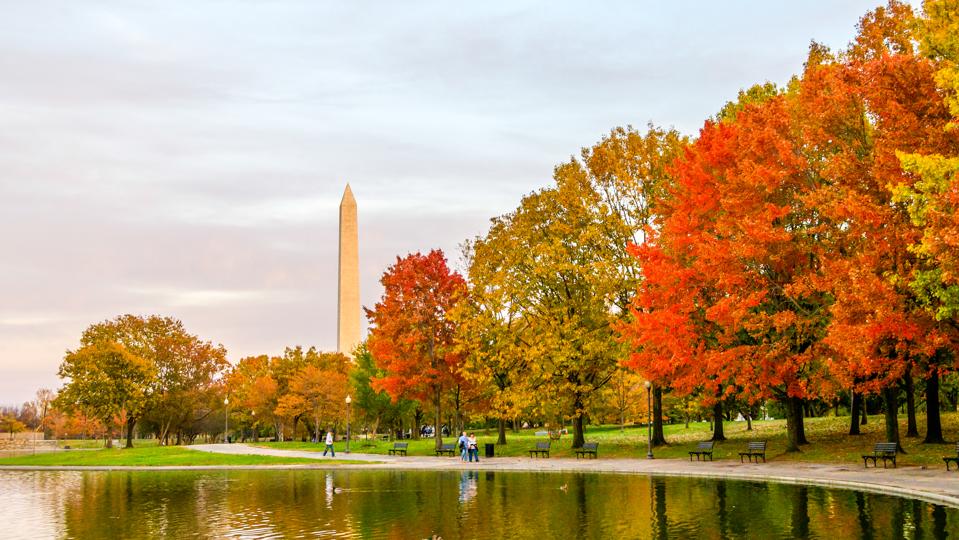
{"x":152,"y":456}
{"x":100,"y":443}
{"x":827,"y":435}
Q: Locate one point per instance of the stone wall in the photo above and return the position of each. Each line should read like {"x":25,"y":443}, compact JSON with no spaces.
{"x":23,"y":441}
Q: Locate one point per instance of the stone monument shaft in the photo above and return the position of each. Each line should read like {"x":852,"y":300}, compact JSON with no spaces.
{"x":348,"y":301}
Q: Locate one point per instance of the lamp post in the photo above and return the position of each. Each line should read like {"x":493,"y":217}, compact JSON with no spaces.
{"x":649,"y":420}
{"x":226,"y":419}
{"x":348,"y":401}
{"x":253,"y":427}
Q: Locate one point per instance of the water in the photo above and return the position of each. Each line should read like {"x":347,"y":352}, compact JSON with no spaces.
{"x":451,"y":505}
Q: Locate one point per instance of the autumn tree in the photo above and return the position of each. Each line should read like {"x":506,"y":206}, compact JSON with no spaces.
{"x":411,"y":335}
{"x":630,"y":170}
{"x":854,"y":112}
{"x":184,"y":369}
{"x":375,"y":405}
{"x":105,"y":381}
{"x":933,"y":206}
{"x":554,"y":274}
{"x":726,"y":303}
{"x":10,"y":424}
{"x":318,"y":390}
{"x":491,"y":338}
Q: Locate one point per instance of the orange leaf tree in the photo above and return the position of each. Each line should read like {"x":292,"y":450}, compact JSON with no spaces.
{"x":411,"y":336}
{"x":854,"y":113}
{"x":725,"y":305}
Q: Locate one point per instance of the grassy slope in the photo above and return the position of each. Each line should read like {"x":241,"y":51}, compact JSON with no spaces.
{"x":149,"y":456}
{"x":830,"y":444}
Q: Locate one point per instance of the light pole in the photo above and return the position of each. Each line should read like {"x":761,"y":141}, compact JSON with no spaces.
{"x":348,"y":401}
{"x":649,"y":421}
{"x":253,"y":427}
{"x":226,"y":419}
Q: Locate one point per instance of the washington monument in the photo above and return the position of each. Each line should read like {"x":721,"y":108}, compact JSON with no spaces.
{"x":348,"y":301}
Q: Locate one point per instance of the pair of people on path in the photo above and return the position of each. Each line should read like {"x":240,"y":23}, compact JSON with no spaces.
{"x":469,"y":449}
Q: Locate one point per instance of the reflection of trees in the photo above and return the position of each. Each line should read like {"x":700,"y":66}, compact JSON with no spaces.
{"x":661,"y":521}
{"x":721,"y":514}
{"x":800,"y":512}
{"x":405,"y":504}
{"x":862,"y":511}
{"x":939,"y":523}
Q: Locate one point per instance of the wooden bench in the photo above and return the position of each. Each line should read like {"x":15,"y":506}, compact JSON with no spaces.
{"x":954,"y":459}
{"x":588,"y":449}
{"x":399,"y":448}
{"x":886,"y":451}
{"x":702,"y":451}
{"x":755,"y":449}
{"x":447,"y":449}
{"x":542,"y":448}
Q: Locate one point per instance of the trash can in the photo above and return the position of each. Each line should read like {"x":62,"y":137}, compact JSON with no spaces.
{"x":490,"y":449}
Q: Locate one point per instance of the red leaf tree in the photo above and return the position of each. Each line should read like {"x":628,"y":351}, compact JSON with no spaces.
{"x":411,"y":337}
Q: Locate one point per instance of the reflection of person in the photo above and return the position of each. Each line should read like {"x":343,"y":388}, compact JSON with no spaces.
{"x":329,"y":445}
{"x":473,"y":448}
{"x":467,"y":486}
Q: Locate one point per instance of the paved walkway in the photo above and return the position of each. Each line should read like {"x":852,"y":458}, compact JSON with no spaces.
{"x":935,"y":485}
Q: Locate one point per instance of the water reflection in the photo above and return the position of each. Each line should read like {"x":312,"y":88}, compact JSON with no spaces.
{"x":459,"y":504}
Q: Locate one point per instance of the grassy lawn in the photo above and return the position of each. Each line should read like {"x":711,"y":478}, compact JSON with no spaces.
{"x":827,"y":435}
{"x":150,"y":456}
{"x":99,"y":443}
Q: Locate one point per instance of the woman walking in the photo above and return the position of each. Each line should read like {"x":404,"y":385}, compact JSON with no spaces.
{"x":473,"y":448}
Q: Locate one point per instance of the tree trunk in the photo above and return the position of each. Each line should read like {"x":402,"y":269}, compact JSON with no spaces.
{"x":749,"y":420}
{"x":855,"y":413}
{"x":865,"y":415}
{"x":795,"y":429}
{"x":438,"y":415}
{"x":933,"y":420}
{"x":892,"y":415}
{"x":417,"y":421}
{"x":801,"y":424}
{"x":718,"y":434}
{"x":131,"y":425}
{"x":912,"y":430}
{"x":658,"y":438}
{"x":501,"y":439}
{"x":579,"y":438}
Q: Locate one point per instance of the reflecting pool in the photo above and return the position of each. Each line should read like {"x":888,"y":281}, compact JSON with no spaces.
{"x":453,"y":504}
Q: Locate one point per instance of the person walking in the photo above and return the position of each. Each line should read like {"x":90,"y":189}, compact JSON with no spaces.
{"x":329,"y":444}
{"x":463,"y":444}
{"x":473,"y":448}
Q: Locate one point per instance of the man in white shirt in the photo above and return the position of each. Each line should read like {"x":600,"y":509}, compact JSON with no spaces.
{"x":329,"y":444}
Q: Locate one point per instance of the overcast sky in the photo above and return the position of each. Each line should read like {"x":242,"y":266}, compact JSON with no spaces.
{"x":187,"y":158}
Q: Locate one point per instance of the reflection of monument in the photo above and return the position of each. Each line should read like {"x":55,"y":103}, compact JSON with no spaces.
{"x":348,"y":301}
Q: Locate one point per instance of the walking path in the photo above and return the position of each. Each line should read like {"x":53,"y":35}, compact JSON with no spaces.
{"x":914,"y":482}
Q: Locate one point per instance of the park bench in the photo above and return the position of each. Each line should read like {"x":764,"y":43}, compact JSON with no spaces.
{"x":755,"y":449}
{"x":886,"y":451}
{"x":399,"y":448}
{"x":448,"y":449}
{"x":588,"y":449}
{"x":542,"y":448}
{"x":954,"y":459}
{"x":702,"y":451}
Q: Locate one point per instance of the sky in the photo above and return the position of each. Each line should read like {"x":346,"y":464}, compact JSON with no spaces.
{"x":187,"y":158}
